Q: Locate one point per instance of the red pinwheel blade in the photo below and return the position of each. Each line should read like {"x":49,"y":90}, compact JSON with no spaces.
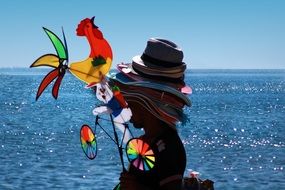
{"x":56,"y":85}
{"x":46,"y":81}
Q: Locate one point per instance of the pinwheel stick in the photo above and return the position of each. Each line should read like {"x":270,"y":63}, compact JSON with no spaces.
{"x":119,"y":147}
{"x":97,"y":123}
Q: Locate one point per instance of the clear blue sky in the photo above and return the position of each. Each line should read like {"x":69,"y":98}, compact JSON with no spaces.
{"x":227,"y":34}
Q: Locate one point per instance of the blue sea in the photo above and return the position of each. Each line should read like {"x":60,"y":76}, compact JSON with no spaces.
{"x":235,"y":135}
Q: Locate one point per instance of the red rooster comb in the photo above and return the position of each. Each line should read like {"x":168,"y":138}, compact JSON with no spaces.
{"x":87,"y":22}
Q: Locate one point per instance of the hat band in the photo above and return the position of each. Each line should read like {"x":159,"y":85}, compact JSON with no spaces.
{"x":161,"y":78}
{"x":158,"y":62}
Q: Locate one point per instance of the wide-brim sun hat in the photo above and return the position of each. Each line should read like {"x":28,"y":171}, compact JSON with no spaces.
{"x":154,"y":89}
{"x":128,"y":71}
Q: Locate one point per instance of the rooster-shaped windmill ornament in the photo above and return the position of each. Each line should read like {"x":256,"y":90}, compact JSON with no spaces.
{"x":92,"y":71}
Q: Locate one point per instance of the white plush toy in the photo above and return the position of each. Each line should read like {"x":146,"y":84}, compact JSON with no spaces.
{"x":115,"y":105}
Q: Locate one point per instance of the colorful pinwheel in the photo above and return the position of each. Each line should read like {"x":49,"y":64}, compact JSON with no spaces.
{"x":140,"y":155}
{"x":88,"y":142}
{"x":55,"y":61}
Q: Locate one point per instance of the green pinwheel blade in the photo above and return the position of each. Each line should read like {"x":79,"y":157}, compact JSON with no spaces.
{"x":57,"y":43}
{"x":65,"y":44}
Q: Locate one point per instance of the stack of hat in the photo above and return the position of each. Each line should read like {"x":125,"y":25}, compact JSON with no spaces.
{"x":161,"y":62}
{"x":156,"y":78}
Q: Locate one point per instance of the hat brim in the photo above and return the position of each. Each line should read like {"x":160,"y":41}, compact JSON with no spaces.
{"x":152,"y":107}
{"x":121,"y":78}
{"x":129,"y":72}
{"x":152,"y":67}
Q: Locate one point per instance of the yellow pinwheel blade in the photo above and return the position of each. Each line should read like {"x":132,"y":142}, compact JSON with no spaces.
{"x":88,"y":73}
{"x":49,"y":60}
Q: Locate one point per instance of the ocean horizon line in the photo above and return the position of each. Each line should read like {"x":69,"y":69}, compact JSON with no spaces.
{"x":219,"y":69}
{"x":209,"y":72}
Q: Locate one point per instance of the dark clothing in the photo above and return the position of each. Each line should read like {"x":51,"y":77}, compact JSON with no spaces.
{"x":170,"y":161}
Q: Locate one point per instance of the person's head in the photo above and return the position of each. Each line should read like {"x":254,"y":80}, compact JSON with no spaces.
{"x":143,"y":118}
{"x":140,"y":115}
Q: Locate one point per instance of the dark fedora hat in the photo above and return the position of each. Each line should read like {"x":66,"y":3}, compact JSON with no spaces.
{"x":161,"y":53}
{"x":161,"y":58}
